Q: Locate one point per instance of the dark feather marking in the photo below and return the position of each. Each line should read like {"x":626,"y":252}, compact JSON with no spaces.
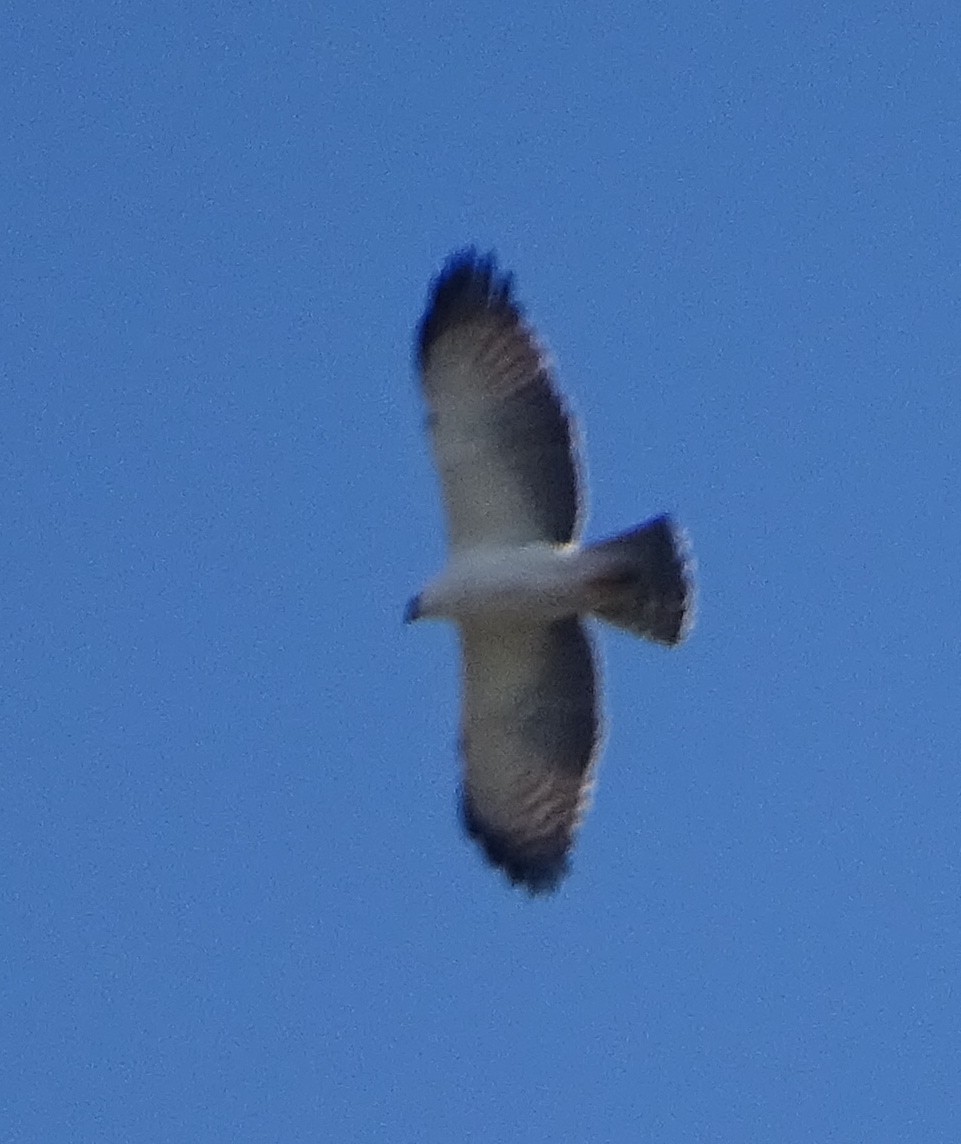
{"x":467,"y":283}
{"x":539,"y":867}
{"x":569,"y":676}
{"x":546,"y":460}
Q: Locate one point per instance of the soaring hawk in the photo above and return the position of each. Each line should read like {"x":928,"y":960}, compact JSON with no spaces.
{"x":518,"y":583}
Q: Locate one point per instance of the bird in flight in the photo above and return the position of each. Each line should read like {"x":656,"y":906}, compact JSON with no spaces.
{"x":518,"y":583}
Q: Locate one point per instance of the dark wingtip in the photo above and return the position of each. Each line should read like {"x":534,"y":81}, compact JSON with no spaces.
{"x":468,"y":282}
{"x":538,"y":872}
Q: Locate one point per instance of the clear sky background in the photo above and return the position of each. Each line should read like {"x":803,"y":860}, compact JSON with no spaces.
{"x":236,"y":902}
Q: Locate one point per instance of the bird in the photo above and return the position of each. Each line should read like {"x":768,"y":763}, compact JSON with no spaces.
{"x":518,"y":583}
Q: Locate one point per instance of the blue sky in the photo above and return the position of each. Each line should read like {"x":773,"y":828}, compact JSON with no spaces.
{"x":236,"y":904}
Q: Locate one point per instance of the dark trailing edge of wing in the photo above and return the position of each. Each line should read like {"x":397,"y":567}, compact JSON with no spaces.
{"x":467,"y":283}
{"x":539,"y":872}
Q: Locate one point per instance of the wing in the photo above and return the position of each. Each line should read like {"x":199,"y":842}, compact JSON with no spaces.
{"x":529,"y":737}
{"x":502,"y":439}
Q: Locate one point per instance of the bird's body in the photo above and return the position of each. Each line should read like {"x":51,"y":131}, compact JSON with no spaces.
{"x":518,"y":582}
{"x":527,"y":582}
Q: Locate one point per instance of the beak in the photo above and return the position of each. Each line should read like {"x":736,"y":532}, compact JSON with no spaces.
{"x":412,"y":611}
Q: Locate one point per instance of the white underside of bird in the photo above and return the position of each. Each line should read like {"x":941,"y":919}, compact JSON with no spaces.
{"x":532,"y":582}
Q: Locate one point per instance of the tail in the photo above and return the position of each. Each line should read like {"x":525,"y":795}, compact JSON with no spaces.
{"x":643,"y":582}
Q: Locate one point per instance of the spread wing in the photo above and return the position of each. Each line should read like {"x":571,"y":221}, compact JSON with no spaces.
{"x":501,"y":436}
{"x":530,"y":732}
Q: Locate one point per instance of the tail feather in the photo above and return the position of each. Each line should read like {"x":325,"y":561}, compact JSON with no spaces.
{"x":643,"y":582}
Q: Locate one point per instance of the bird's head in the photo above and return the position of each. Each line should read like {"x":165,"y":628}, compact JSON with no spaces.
{"x":412,"y":612}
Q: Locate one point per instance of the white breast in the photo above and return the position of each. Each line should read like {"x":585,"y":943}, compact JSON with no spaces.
{"x":533,"y":581}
